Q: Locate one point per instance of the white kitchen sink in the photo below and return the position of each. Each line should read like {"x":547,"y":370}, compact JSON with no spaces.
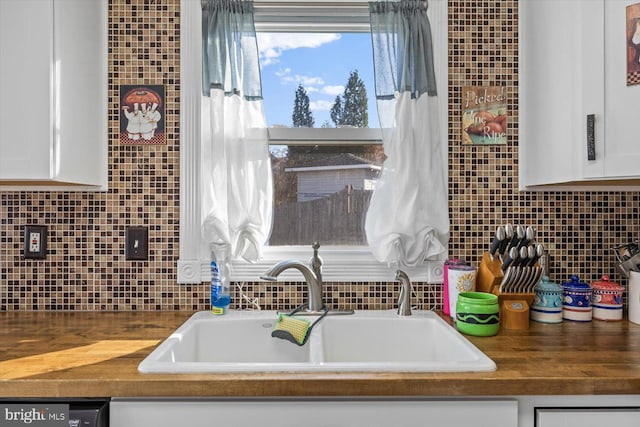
{"x":371,"y":340}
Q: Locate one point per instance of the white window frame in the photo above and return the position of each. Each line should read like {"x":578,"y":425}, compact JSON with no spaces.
{"x":341,"y":263}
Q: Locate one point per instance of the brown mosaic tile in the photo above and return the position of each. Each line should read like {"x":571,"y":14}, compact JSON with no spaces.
{"x":86,"y":270}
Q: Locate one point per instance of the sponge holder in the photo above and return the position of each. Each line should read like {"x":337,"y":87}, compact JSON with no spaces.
{"x":514,"y":306}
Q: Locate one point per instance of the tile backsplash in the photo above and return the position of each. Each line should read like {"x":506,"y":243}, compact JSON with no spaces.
{"x":86,"y":268}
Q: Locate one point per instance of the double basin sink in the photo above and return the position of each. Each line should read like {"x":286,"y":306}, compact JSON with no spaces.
{"x":370,"y":340}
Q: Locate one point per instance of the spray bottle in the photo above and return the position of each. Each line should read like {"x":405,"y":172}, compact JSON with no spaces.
{"x":220,"y":269}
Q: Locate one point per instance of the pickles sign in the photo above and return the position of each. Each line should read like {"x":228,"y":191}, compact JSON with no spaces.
{"x":484,"y":115}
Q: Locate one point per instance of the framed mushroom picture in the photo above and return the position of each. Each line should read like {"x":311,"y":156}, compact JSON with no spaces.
{"x":142,"y":116}
{"x":484,"y":115}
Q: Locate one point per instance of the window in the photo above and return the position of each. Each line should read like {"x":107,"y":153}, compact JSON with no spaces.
{"x":331,"y":167}
{"x":322,"y":187}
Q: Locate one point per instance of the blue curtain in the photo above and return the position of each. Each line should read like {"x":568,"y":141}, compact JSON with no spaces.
{"x":229,"y":48}
{"x":402,"y":48}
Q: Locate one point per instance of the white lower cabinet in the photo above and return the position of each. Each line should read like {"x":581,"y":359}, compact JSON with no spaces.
{"x":579,"y":411}
{"x":314,"y":413}
{"x":492,"y":411}
{"x":586,"y":417}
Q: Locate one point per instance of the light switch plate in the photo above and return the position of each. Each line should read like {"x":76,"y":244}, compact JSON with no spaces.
{"x":137,"y":243}
{"x":35,"y":241}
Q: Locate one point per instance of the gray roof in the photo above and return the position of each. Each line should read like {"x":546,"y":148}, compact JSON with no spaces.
{"x":340,"y":159}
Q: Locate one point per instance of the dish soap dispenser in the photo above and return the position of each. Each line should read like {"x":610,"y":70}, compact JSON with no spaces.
{"x":220,"y":266}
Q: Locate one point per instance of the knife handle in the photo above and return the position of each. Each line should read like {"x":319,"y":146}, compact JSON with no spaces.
{"x":497,"y":240}
{"x":529,"y":237}
{"x":532,"y":256}
{"x":508,"y":230}
{"x":522,"y":259}
{"x":510,"y":259}
{"x":539,"y":251}
{"x":518,"y":236}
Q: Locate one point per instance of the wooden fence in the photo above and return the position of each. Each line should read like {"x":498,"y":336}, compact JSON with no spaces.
{"x":334,"y":220}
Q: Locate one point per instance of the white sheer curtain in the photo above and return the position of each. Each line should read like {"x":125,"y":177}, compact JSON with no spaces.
{"x":408,"y":218}
{"x":236,"y":170}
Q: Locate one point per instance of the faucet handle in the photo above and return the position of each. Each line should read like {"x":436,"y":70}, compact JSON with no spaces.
{"x":404,"y":299}
{"x":316,"y":261}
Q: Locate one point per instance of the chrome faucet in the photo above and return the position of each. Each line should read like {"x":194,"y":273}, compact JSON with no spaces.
{"x":404,"y":299}
{"x":313,"y":277}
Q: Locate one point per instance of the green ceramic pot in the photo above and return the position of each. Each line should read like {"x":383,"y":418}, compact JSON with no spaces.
{"x":478,"y":313}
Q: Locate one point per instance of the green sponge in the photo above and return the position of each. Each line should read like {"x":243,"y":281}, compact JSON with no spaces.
{"x":291,"y":329}
{"x":295,"y":329}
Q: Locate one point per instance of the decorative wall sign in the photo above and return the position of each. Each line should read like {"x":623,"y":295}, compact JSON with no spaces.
{"x":484,"y":115}
{"x":142,"y":114}
{"x":633,"y":44}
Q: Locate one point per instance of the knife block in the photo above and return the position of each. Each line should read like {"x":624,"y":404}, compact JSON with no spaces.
{"x":514,"y":307}
{"x":489,"y":275}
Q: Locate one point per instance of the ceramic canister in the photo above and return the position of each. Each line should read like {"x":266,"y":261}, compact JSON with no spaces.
{"x":445,"y":291}
{"x":461,"y":278}
{"x":547,"y":304}
{"x":576,"y":304}
{"x":607,"y":300}
{"x":478,"y":313}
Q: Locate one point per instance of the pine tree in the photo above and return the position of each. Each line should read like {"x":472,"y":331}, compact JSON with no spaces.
{"x":351,"y":108}
{"x":355,"y":111}
{"x":336,"y":111}
{"x":302,"y":117}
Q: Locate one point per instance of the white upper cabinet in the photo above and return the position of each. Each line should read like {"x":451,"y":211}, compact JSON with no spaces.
{"x":53,"y":94}
{"x":573,"y":64}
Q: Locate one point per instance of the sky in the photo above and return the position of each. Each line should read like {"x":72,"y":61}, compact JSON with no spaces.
{"x":321,"y":62}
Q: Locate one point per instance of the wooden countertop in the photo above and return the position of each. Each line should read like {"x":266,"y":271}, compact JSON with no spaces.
{"x":91,"y":354}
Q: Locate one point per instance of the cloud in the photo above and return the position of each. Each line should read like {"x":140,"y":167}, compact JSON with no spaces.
{"x":307,"y":81}
{"x":320,"y":105}
{"x":272,"y":45}
{"x":269,"y":56}
{"x":283,"y":72}
{"x":333,"y":90}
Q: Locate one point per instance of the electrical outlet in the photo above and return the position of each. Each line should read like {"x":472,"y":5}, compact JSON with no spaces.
{"x":137,"y":243}
{"x":35,"y":242}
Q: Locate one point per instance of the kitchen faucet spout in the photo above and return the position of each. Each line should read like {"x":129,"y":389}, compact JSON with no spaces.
{"x":312,"y":277}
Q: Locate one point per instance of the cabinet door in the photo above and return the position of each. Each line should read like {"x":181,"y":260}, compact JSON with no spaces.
{"x":26,"y":37}
{"x":576,"y":67}
{"x":622,"y":102}
{"x":550,"y":92}
{"x":81,"y":105}
{"x":583,"y":417}
{"x":296,"y":413}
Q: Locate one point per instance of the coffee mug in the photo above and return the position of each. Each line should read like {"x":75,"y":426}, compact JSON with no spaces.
{"x":461,"y":278}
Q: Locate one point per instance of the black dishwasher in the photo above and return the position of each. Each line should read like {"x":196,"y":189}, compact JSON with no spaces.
{"x":54,"y":412}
